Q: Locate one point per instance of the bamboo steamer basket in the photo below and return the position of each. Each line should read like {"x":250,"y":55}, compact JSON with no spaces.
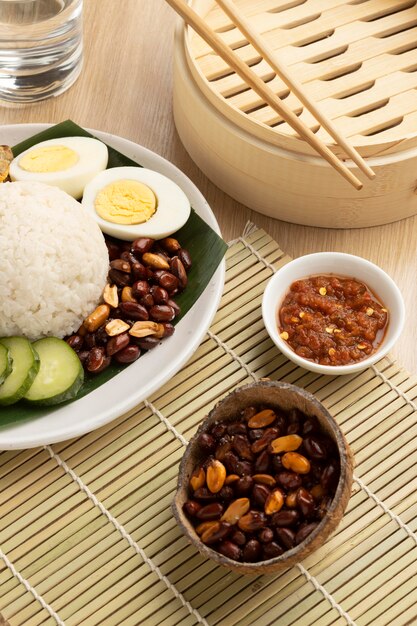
{"x":358,"y":59}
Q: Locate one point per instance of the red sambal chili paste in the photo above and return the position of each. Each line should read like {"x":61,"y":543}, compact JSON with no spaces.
{"x":332,"y":320}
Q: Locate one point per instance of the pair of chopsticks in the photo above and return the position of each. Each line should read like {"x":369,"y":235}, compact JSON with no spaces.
{"x":265,"y":92}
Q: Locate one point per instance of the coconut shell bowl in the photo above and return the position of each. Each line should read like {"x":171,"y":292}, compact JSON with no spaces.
{"x":265,"y":480}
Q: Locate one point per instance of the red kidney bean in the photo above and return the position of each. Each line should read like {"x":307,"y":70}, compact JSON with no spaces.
{"x":117,"y":343}
{"x":262,"y":463}
{"x":162,"y":313}
{"x":305,"y":502}
{"x":210,"y":511}
{"x":230,"y":550}
{"x":289,"y":480}
{"x":191,"y":507}
{"x":251,"y":551}
{"x":285,"y":518}
{"x":304,"y":532}
{"x":141,"y":245}
{"x":140,"y":288}
{"x":134,"y":311}
{"x":286,"y":536}
{"x":266,"y":535}
{"x":260,"y":494}
{"x":127,"y":355}
{"x":185,"y":258}
{"x":121,"y":279}
{"x":76,"y":342}
{"x":271,"y":550}
{"x":241,"y":445}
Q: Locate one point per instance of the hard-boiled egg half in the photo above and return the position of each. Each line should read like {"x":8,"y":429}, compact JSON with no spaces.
{"x":68,"y":163}
{"x":131,"y":202}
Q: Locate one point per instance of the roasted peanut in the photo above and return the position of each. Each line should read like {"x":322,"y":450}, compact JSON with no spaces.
{"x":260,"y":494}
{"x":155,"y":261}
{"x":140,"y":288}
{"x":236,"y":510}
{"x":120,"y":266}
{"x":216,"y":532}
{"x":285,"y":518}
{"x":230,"y":550}
{"x":286,"y":537}
{"x":305,"y":502}
{"x":252,"y":521}
{"x":110,"y":295}
{"x":251,"y":551}
{"x":262,"y":419}
{"x":317,"y":492}
{"x":144,"y":329}
{"x":274,"y":502}
{"x":170,"y":244}
{"x":97,"y":318}
{"x":116,"y":327}
{"x":216,"y":475}
{"x":289,"y":480}
{"x":304,"y":532}
{"x":185,"y":258}
{"x":231,"y":478}
{"x":117,"y":343}
{"x":201,"y":528}
{"x":127,"y":355}
{"x":141,"y":245}
{"x":75,"y":342}
{"x":162,"y":313}
{"x":210,"y":511}
{"x":206,"y":442}
{"x":121,"y":279}
{"x":296,"y":462}
{"x":177,"y":268}
{"x":191,"y":507}
{"x":271,"y":550}
{"x":127,"y":295}
{"x":134,"y":311}
{"x":264,"y":440}
{"x":288,"y":443}
{"x":266,"y":535}
{"x":241,"y":445}
{"x":198,"y":479}
{"x":265,"y":479}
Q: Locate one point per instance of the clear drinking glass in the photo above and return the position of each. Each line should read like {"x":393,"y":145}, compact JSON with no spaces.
{"x":40,"y":48}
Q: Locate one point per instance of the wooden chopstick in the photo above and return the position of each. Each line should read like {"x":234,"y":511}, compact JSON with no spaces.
{"x":254,"y":38}
{"x":257,"y":84}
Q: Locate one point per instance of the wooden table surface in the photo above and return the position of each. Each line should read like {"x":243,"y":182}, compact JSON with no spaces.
{"x":126,"y":88}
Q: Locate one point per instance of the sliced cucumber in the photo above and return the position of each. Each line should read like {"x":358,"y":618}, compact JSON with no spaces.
{"x":5,"y":363}
{"x":24,"y":369}
{"x":60,"y":375}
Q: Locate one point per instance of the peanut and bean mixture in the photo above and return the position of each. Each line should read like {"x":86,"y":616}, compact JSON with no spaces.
{"x":138,"y":305}
{"x":332,"y":320}
{"x":268,"y":479}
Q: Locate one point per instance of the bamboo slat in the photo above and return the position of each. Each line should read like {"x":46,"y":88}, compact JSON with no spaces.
{"x":92,"y":540}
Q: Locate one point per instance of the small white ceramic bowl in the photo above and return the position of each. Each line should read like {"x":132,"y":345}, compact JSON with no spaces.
{"x":338,"y":264}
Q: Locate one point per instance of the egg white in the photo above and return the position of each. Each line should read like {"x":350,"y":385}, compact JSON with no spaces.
{"x":92,"y":159}
{"x":173,"y":206}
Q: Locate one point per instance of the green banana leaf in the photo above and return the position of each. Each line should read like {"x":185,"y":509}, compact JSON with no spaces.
{"x":207,"y":250}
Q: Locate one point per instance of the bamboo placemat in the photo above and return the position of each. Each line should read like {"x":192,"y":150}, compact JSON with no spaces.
{"x":86,"y":530}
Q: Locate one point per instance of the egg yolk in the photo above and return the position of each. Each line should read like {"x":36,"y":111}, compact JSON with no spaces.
{"x":125,"y":202}
{"x":49,"y":159}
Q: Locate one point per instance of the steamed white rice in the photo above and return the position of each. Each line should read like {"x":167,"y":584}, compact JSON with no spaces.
{"x":53,"y":261}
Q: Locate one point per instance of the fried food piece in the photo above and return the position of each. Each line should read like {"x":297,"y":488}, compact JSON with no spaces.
{"x":6,"y":157}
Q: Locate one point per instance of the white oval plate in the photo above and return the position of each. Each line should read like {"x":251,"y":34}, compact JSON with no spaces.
{"x":142,"y":378}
